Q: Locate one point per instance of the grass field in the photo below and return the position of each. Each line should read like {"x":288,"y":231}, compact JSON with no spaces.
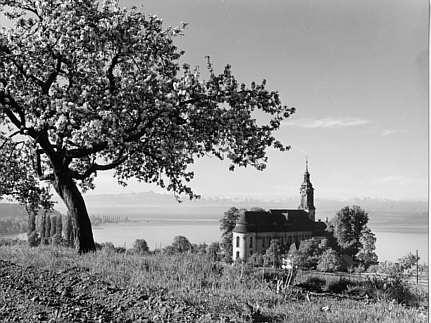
{"x":215,"y":287}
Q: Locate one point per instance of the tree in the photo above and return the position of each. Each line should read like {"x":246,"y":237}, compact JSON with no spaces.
{"x":348,"y":227}
{"x":227,"y":224}
{"x":19,"y":183}
{"x":408,"y":262}
{"x":213,"y":251}
{"x":366,"y":254}
{"x":181,"y":244}
{"x":140,"y":247}
{"x":200,"y":248}
{"x":273,"y":255}
{"x":92,"y":87}
{"x":308,"y":253}
{"x":329,"y":261}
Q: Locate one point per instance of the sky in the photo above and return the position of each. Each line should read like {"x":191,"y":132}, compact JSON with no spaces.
{"x":357,"y":73}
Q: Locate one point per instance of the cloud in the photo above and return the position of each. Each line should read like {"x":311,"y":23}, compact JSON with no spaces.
{"x":387,"y":132}
{"x":327,"y":122}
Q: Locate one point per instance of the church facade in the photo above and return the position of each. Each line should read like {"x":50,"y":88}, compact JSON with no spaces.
{"x":254,"y":230}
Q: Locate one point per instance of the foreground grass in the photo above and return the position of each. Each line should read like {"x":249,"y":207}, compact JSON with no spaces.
{"x":217,"y":288}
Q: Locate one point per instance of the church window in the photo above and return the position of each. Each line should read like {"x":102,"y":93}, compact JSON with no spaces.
{"x":251,"y":242}
{"x":237,"y":254}
{"x":237,"y":242}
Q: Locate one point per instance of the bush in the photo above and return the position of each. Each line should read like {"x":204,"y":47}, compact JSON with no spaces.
{"x":256,"y":260}
{"x":329,"y":261}
{"x":33,"y":239}
{"x":313,"y":284}
{"x":108,"y":246}
{"x":181,"y":244}
{"x":359,"y":269}
{"x":213,"y":251}
{"x":337,"y":286}
{"x":140,"y":247}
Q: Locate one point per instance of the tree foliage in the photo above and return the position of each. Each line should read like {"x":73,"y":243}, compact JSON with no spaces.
{"x":272,"y":255}
{"x":181,"y":244}
{"x":329,"y":261}
{"x":348,"y":227}
{"x":213,"y":251}
{"x":408,"y":262}
{"x":366,"y":254}
{"x":90,"y":87}
{"x":227,"y":224}
{"x":308,"y":254}
{"x":140,"y":247}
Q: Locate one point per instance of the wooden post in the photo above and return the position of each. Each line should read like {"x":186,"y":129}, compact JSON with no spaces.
{"x":417,"y":267}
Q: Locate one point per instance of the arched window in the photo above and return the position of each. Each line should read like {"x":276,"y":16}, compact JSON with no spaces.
{"x":251,"y":242}
{"x":237,"y":242}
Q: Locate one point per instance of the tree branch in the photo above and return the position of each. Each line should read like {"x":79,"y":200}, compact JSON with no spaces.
{"x":110,"y":72}
{"x":85,"y":151}
{"x":51,"y":78}
{"x":95,"y":167}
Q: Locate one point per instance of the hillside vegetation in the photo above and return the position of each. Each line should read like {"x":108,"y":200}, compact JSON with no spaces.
{"x":56,"y":283}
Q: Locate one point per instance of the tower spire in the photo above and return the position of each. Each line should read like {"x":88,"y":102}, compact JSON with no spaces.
{"x":307,"y":194}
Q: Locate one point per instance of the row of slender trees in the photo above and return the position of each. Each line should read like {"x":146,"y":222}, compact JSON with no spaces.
{"x":49,"y":227}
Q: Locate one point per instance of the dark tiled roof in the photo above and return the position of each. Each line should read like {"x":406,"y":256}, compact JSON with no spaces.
{"x":280,"y":220}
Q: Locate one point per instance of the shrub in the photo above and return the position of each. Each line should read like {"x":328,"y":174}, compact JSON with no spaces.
{"x":181,"y":244}
{"x":140,"y":247}
{"x":329,"y":261}
{"x":337,"y":286}
{"x":33,"y":239}
{"x":256,"y":260}
{"x":213,"y":251}
{"x":308,"y":254}
{"x":313,"y":284}
{"x":108,"y":246}
{"x":57,"y":240}
{"x":359,"y":269}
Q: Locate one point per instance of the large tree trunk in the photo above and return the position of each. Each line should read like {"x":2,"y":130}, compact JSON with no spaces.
{"x":77,"y":210}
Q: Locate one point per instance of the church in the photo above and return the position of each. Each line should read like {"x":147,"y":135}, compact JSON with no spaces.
{"x":254,"y":230}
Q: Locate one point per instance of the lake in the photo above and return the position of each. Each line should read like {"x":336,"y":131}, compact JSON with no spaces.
{"x":158,"y":233}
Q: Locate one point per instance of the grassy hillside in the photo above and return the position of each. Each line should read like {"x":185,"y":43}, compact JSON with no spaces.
{"x":191,"y":284}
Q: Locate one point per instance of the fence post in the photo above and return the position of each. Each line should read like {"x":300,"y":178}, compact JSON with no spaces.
{"x":417,"y":267}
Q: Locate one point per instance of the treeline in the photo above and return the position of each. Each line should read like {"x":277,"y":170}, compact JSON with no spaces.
{"x":179,"y":245}
{"x":98,"y":220}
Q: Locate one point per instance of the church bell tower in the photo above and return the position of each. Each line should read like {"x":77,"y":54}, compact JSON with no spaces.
{"x":307,"y":195}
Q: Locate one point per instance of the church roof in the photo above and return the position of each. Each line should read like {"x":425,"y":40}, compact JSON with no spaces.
{"x":279,"y":220}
